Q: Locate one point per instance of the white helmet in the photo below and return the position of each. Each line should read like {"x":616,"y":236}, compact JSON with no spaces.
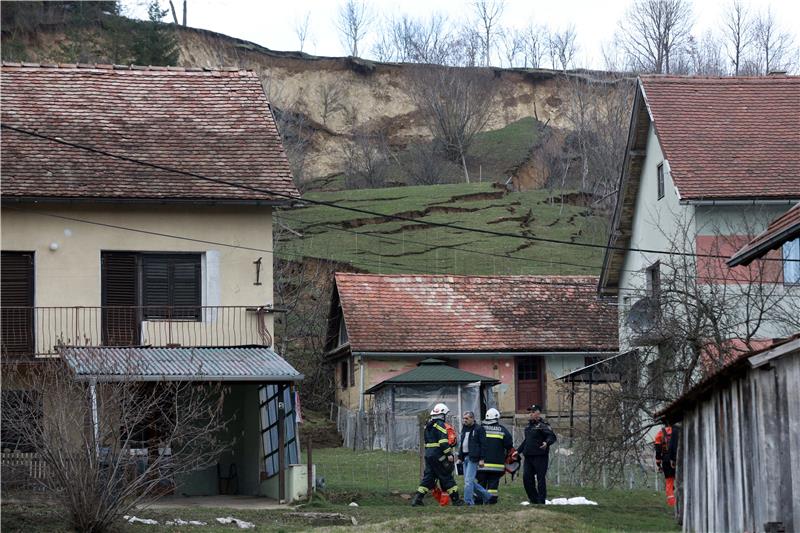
{"x":492,"y":414}
{"x":439,"y":409}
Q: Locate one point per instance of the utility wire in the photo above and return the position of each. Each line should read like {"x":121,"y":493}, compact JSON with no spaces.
{"x":359,"y":210}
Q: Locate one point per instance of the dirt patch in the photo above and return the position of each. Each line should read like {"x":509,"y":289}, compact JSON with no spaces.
{"x":576,"y":198}
{"x":321,"y":430}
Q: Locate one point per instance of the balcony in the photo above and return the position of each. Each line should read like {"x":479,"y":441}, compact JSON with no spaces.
{"x":39,"y":331}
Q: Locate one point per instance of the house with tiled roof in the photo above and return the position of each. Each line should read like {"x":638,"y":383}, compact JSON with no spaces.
{"x":137,"y":226}
{"x":523,"y":331}
{"x":709,"y":163}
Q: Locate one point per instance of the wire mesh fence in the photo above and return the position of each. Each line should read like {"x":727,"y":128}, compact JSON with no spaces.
{"x":373,"y":456}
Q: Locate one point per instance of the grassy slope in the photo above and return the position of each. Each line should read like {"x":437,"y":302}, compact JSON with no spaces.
{"x":398,"y":247}
{"x":383,"y":508}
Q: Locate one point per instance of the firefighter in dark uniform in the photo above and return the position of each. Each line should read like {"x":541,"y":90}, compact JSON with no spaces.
{"x":539,"y":437}
{"x":439,"y":459}
{"x":496,"y":441}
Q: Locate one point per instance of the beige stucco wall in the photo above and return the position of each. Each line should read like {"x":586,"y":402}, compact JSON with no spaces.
{"x":70,"y":275}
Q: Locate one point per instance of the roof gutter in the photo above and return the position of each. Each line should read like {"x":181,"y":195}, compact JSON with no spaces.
{"x":751,"y":201}
{"x":145,"y":201}
{"x":481,"y":354}
{"x":137,"y":379}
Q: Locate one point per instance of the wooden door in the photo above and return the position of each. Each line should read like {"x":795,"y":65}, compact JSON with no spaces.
{"x":530,"y":388}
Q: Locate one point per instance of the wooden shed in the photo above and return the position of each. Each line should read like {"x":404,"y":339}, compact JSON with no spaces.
{"x":739,"y":453}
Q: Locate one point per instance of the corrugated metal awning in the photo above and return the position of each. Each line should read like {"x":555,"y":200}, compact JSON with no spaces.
{"x":237,"y":363}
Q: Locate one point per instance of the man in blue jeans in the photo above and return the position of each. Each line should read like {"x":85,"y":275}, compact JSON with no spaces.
{"x":469,"y":452}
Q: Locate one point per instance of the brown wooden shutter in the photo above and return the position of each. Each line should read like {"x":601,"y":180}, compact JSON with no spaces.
{"x":120,"y":298}
{"x":16,"y":301}
{"x":171,"y":286}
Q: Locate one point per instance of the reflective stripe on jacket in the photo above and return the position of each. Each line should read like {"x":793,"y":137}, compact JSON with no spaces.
{"x":495,"y":443}
{"x":436,"y":442}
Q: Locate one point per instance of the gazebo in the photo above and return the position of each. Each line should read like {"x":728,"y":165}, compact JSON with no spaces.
{"x":400,"y":401}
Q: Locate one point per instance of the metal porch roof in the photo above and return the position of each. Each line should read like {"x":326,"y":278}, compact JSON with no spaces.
{"x":432,"y":371}
{"x":237,"y":363}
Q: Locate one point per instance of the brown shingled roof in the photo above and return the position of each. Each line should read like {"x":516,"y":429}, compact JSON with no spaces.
{"x":780,"y":231}
{"x":215,"y":123}
{"x":416,"y":313}
{"x":728,"y":137}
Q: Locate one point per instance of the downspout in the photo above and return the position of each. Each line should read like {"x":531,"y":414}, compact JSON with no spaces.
{"x":361,"y":384}
{"x":95,"y":422}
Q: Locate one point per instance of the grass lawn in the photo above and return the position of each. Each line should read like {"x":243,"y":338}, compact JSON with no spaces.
{"x":384,"y":507}
{"x":378,"y":245}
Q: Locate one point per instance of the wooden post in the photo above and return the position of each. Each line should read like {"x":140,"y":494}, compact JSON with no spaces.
{"x":309,"y":467}
{"x":421,"y":450}
{"x":281,"y":453}
{"x":590,"y":404}
{"x":572,"y":412}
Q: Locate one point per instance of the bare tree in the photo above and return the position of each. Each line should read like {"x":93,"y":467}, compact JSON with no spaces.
{"x":652,"y":31}
{"x":513,"y":42}
{"x":425,"y":164}
{"x":694,"y":319}
{"x":301,"y":28}
{"x":488,"y":13}
{"x":331,"y":99}
{"x":738,"y":34}
{"x":84,"y":436}
{"x":774,"y":47}
{"x":534,"y":45}
{"x":468,"y":46}
{"x":456,"y":105}
{"x":366,"y":159}
{"x":303,"y":289}
{"x":353,"y":22}
{"x":563,"y":47}
{"x":413,"y":40}
{"x":705,"y":56}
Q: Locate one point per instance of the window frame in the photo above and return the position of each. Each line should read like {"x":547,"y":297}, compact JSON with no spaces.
{"x":791,"y":250}
{"x":660,"y":180}
{"x":653,"y":280}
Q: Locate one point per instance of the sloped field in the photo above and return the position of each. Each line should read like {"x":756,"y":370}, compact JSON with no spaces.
{"x":376,"y":244}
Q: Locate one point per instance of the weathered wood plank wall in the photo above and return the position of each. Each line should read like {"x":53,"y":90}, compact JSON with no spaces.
{"x":739,"y":466}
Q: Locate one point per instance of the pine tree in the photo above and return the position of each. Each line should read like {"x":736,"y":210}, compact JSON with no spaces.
{"x":155,"y":43}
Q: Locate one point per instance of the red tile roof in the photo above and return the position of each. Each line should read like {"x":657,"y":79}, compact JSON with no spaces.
{"x":399,"y":313}
{"x":729,"y":137}
{"x":783,"y":229}
{"x":216,"y":123}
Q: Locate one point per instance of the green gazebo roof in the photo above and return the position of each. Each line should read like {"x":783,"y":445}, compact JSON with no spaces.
{"x":432,"y":371}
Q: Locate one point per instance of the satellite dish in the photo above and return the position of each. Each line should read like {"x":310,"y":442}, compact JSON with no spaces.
{"x":642,"y":315}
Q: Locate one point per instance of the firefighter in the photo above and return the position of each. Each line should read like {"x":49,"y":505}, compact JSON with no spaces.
{"x":666,"y":446}
{"x":439,"y":459}
{"x":539,"y":437}
{"x":496,"y":442}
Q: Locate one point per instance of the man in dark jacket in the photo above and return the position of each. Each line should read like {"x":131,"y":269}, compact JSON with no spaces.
{"x":439,"y":459}
{"x":539,"y":437}
{"x":469,"y":452}
{"x":495,"y":443}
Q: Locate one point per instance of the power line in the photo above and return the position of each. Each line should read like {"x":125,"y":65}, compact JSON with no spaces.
{"x":359,"y":210}
{"x":502,"y":256}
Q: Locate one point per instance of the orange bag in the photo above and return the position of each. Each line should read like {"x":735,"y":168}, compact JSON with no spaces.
{"x":440,"y":496}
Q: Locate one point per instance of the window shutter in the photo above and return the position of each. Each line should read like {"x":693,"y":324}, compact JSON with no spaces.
{"x":171,"y":286}
{"x":120,"y":298}
{"x":186,"y":295}
{"x":16,"y":301}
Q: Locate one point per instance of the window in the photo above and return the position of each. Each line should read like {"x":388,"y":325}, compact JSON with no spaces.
{"x":660,"y":172}
{"x":166,"y":286}
{"x":343,"y":373}
{"x":654,"y":279}
{"x":171,"y":286}
{"x":791,"y":262}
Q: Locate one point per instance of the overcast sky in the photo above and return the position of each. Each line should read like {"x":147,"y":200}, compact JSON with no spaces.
{"x":271,"y":23}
